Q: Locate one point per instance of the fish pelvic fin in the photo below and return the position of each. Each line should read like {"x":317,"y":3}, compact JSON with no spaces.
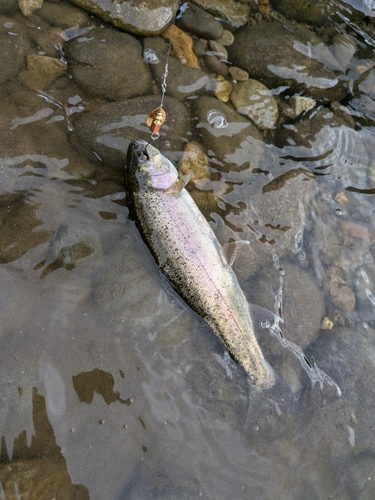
{"x":180,"y":184}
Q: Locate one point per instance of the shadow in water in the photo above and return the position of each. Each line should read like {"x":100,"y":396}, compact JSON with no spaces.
{"x":38,"y":472}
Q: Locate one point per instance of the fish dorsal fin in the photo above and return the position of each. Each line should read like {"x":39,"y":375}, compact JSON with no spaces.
{"x":179,"y":185}
{"x":230,"y":250}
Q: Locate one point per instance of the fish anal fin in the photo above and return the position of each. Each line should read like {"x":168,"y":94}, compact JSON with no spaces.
{"x":230,"y":250}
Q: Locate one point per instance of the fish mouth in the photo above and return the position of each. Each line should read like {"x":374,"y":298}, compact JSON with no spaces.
{"x":140,"y":152}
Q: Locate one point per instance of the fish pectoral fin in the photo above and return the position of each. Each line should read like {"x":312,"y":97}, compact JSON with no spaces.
{"x":180,"y":184}
{"x":230,"y":250}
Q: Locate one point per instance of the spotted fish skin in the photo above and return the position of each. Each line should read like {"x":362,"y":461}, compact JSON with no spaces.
{"x":188,"y":253}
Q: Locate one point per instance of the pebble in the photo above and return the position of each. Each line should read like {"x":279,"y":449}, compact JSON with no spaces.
{"x":252,"y":99}
{"x":342,"y":296}
{"x":199,"y":22}
{"x":327,"y":324}
{"x":341,"y":198}
{"x":41,"y":71}
{"x":300,"y":104}
{"x":217,"y":50}
{"x":226,"y":39}
{"x":200,"y":48}
{"x":13,"y":50}
{"x":182,"y":45}
{"x":215,"y":66}
{"x":194,"y":160}
{"x":30,"y":6}
{"x":238,"y":74}
{"x":223,"y":89}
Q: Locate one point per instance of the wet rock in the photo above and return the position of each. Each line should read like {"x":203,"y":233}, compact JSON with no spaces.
{"x":216,"y":49}
{"x":194,"y":161}
{"x":41,"y":71}
{"x":108,"y":130}
{"x":20,"y":229}
{"x":254,"y":100}
{"x":302,"y":300}
{"x":47,"y":42}
{"x":63,"y":14}
{"x":182,"y":45}
{"x":234,"y":141}
{"x":8,"y":6}
{"x":116,"y":55}
{"x":342,"y":296}
{"x":363,"y":103}
{"x":199,"y":22}
{"x":305,"y":131}
{"x":291,"y":43}
{"x":238,"y":74}
{"x":200,"y":48}
{"x":226,"y":38}
{"x":215,"y":66}
{"x":30,"y":6}
{"x":347,"y":357}
{"x":147,"y":18}
{"x":223,"y":89}
{"x":316,"y":13}
{"x":300,"y":104}
{"x":235,"y":13}
{"x":13,"y":49}
{"x":72,"y":245}
{"x":273,"y":216}
{"x":182,"y":81}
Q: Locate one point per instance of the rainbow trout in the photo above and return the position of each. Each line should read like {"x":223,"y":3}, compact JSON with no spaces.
{"x":190,"y":256}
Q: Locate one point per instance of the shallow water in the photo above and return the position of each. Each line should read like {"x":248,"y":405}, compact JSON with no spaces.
{"x":112,"y":388}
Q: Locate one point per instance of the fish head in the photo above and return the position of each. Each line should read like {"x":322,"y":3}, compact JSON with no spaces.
{"x":150,"y":168}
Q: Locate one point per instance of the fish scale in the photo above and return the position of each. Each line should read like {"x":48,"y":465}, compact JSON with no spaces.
{"x":190,"y":256}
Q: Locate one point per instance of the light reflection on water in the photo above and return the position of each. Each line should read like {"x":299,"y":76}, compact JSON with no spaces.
{"x":113,"y":387}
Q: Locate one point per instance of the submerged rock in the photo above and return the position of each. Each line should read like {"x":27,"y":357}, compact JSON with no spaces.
{"x":63,"y":14}
{"x":302,"y":300}
{"x":108,"y":130}
{"x":146,"y":18}
{"x":199,"y":22}
{"x":182,"y":81}
{"x":13,"y":49}
{"x":41,"y":71}
{"x":235,"y":143}
{"x":109,"y":64}
{"x":317,"y":12}
{"x":254,"y":100}
{"x":30,"y":6}
{"x":278,"y":55}
{"x":235,"y":13}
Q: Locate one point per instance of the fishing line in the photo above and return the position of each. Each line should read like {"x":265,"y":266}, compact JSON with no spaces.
{"x":157,"y":117}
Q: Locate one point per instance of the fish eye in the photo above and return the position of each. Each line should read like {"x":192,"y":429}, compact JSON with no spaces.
{"x":142,"y":155}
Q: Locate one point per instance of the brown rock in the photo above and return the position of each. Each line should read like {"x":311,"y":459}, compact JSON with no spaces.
{"x":41,"y":71}
{"x":182,"y":45}
{"x":238,"y":74}
{"x":355,"y":230}
{"x":342,"y":296}
{"x":29,"y":6}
